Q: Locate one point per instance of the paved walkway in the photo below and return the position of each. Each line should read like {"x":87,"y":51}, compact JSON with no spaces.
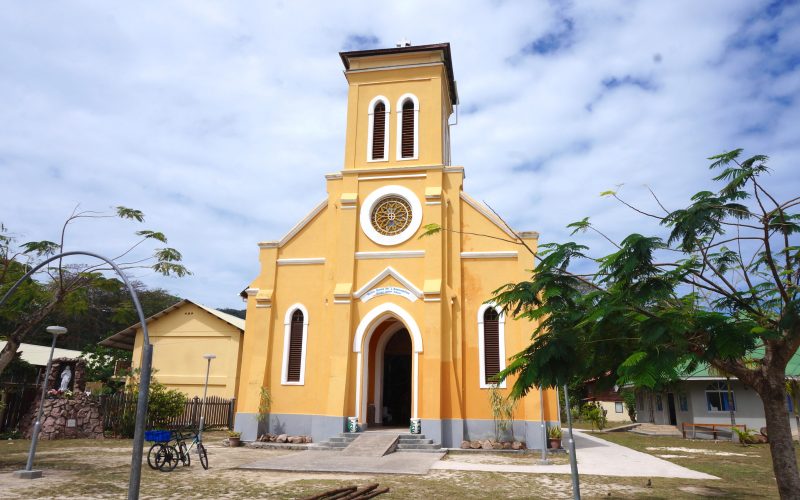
{"x":596,"y":457}
{"x":335,"y":461}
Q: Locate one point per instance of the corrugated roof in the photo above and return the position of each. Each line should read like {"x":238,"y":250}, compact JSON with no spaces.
{"x":37,"y":354}
{"x":792,"y":368}
{"x":125,"y":338}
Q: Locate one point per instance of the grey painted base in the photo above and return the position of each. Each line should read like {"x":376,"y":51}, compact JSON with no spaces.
{"x":449,"y":433}
{"x":319,"y":427}
{"x":28,"y":474}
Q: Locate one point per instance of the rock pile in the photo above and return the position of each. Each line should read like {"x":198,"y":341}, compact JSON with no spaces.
{"x":78,"y":417}
{"x":283,"y":438}
{"x":491,"y":444}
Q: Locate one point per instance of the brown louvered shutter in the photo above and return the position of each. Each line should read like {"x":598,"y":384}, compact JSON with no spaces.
{"x":295,"y":347}
{"x":407,"y":140}
{"x":378,"y":130}
{"x":491,"y":344}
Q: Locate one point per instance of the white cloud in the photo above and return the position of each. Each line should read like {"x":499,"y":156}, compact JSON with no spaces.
{"x":219,"y":120}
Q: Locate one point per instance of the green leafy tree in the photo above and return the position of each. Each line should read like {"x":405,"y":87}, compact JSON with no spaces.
{"x":721,"y":288}
{"x":101,"y":362}
{"x":63,"y":286}
{"x":629,"y":397}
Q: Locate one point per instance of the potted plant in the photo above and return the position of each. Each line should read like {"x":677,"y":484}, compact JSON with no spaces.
{"x":234,"y":439}
{"x":554,"y":433}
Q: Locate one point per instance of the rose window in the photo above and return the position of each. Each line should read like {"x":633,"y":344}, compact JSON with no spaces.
{"x":391,"y":215}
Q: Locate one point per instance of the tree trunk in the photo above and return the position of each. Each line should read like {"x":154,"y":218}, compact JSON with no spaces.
{"x":784,"y":461}
{"x":8,"y":353}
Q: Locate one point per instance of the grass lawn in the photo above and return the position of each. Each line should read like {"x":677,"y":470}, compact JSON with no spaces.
{"x":100,"y":469}
{"x":746,"y":471}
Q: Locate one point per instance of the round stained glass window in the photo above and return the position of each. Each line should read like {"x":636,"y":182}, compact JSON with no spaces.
{"x":391,"y":215}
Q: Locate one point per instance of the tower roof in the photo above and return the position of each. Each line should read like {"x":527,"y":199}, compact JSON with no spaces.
{"x":443,"y":48}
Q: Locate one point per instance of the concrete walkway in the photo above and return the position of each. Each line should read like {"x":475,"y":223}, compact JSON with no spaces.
{"x":336,"y":461}
{"x":596,"y":457}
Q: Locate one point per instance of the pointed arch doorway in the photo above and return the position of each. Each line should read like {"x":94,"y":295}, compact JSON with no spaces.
{"x":387,"y":343}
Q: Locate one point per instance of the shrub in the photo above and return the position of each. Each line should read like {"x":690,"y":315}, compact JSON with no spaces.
{"x":163,"y":405}
{"x":595,"y":414}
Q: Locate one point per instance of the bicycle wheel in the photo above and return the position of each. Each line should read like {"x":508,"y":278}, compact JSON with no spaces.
{"x":167,"y":458}
{"x":151,"y":455}
{"x":201,"y":450}
{"x":183,"y":452}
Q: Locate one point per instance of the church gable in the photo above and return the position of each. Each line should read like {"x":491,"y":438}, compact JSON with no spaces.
{"x":304,"y":238}
{"x":487,"y":229}
{"x":388,"y":282}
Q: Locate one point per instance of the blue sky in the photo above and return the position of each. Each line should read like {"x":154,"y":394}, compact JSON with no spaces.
{"x":219,"y":120}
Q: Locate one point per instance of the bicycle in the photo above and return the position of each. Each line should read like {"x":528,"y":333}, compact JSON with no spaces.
{"x":183,"y":450}
{"x":161,"y":456}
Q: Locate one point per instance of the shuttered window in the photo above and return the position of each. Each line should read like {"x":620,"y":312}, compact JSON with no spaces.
{"x":491,"y":344}
{"x":407,"y":139}
{"x":379,"y":131}
{"x":295,"y":347}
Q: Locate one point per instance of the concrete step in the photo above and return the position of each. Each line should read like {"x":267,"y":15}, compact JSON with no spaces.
{"x":417,"y":447}
{"x":405,"y":440}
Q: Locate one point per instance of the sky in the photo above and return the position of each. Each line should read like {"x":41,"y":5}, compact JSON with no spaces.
{"x":218,"y":120}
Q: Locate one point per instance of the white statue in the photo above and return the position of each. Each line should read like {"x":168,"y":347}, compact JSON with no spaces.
{"x":66,"y":376}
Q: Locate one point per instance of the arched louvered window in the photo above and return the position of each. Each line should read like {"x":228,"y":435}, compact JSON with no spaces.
{"x":407,"y":127}
{"x":407,"y":140}
{"x":294,"y":348}
{"x":378,"y":133}
{"x":491,"y":345}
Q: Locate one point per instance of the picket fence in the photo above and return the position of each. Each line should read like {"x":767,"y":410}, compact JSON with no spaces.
{"x":121,"y":407}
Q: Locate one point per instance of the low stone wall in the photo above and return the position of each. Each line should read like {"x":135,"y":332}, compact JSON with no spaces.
{"x":78,"y":417}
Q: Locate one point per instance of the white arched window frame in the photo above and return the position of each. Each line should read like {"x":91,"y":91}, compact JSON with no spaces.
{"x":287,"y":334}
{"x":371,"y":128}
{"x":501,"y":342}
{"x":400,"y":103}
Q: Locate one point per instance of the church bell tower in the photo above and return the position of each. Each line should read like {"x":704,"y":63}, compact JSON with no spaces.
{"x":399,"y":104}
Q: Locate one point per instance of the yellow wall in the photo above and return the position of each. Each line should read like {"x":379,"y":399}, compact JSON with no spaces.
{"x":180,"y":339}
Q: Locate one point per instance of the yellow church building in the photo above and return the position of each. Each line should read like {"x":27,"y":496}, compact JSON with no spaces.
{"x":353,"y":315}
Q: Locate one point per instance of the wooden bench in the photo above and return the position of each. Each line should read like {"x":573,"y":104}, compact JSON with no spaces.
{"x":712,"y":429}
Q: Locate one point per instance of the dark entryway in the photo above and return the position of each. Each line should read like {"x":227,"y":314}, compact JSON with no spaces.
{"x":673,"y":419}
{"x":397,"y":380}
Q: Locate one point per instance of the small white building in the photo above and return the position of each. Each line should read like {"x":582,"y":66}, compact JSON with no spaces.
{"x":702,"y":398}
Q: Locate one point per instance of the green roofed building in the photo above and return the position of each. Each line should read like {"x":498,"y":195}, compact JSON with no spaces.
{"x":702,"y":398}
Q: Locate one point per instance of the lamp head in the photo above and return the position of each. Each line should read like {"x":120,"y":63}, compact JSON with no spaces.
{"x":209,"y":356}
{"x":56,"y":330}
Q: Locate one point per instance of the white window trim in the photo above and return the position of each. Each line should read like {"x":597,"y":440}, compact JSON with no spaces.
{"x":400,"y":102}
{"x":374,"y":102}
{"x":720,"y":391}
{"x":365,"y":217}
{"x":287,"y":333}
{"x":501,"y":341}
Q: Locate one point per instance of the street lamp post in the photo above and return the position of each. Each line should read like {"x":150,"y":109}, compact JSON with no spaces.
{"x":29,"y":473}
{"x":208,"y":357}
{"x":544,"y":460}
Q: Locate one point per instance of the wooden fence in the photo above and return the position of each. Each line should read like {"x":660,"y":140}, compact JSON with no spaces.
{"x":120,"y":410}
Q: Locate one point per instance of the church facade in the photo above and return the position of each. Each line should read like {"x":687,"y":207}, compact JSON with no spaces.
{"x":354,"y":314}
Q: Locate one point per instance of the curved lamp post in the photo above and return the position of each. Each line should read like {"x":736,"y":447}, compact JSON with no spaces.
{"x":28,"y":472}
{"x":208,"y":357}
{"x":145,"y":365}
